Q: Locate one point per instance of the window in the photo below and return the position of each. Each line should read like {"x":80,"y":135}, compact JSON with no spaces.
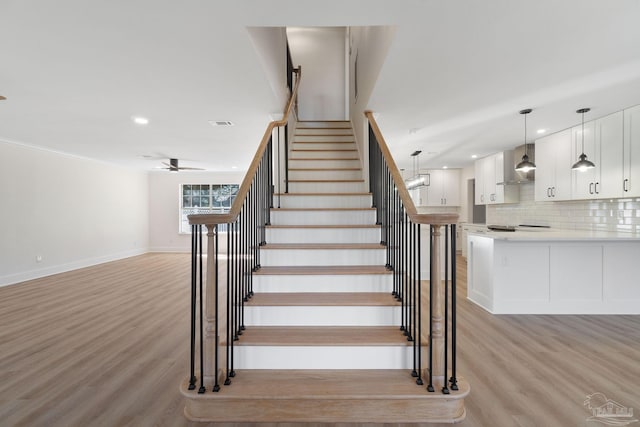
{"x":205,"y":199}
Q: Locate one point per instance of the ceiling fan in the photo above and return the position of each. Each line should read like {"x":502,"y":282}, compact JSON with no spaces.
{"x":172,"y":166}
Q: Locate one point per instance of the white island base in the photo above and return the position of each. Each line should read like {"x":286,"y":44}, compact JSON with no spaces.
{"x":554,"y":272}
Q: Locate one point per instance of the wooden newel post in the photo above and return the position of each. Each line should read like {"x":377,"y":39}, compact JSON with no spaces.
{"x":437,"y":316}
{"x":209,"y":300}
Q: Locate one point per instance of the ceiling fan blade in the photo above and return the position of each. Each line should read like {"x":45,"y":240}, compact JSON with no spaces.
{"x":166,"y":164}
{"x":190,"y":169}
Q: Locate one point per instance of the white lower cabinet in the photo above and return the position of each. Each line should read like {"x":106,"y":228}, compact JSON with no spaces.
{"x":575,"y":273}
{"x":553,"y":277}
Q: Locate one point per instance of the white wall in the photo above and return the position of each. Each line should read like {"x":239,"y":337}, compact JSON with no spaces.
{"x":370,"y":45}
{"x":271,"y":46}
{"x":164,"y":206}
{"x":320,"y":52}
{"x":71,"y":212}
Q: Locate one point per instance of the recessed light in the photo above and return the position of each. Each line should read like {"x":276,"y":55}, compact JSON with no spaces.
{"x":474,"y":156}
{"x":234,"y":167}
{"x":541,"y":130}
{"x":140,"y":120}
{"x":445,"y":167}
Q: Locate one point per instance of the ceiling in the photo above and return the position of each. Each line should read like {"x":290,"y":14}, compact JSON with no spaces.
{"x":75,"y":72}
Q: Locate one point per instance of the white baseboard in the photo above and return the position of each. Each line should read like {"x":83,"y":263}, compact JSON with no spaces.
{"x":12,"y":279}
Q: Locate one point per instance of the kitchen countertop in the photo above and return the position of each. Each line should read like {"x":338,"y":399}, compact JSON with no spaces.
{"x":556,"y":235}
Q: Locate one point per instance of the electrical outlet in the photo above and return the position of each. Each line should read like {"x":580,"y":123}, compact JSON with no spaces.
{"x":38,"y":258}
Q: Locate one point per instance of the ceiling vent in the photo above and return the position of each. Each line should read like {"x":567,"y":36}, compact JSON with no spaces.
{"x":220,"y":123}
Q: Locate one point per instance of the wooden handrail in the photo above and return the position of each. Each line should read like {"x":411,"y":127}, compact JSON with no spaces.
{"x":409,"y":206}
{"x":209,"y":219}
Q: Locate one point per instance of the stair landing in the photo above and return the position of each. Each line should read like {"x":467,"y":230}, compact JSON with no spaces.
{"x":303,"y":396}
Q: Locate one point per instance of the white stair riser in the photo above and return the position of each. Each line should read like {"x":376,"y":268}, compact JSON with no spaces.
{"x":302,"y":257}
{"x":322,"y":316}
{"x":322,"y":217}
{"x":327,"y":187}
{"x":323,"y":124}
{"x":325,"y":174}
{"x":324,"y":145}
{"x":333,"y":163}
{"x":345,"y":153}
{"x":324,"y":201}
{"x":323,"y":283}
{"x":307,"y":131}
{"x":323,"y":357}
{"x":323,"y":235}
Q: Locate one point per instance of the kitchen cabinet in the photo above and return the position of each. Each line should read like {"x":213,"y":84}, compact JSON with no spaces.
{"x":443,"y":189}
{"x":479,"y":195}
{"x":603,"y":145}
{"x":553,"y":167}
{"x":631,"y":153}
{"x":554,"y":272}
{"x":492,"y":176}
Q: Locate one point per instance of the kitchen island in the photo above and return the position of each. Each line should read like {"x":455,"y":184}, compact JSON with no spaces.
{"x":554,"y":272}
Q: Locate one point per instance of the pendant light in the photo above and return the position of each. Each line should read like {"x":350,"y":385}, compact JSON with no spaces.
{"x":583,"y":164}
{"x":418,"y":179}
{"x":525,"y":165}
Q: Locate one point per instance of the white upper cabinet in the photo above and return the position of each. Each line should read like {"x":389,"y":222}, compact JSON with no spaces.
{"x":480,"y":178}
{"x":553,"y":167}
{"x":583,"y":182}
{"x":631,"y":153}
{"x":603,"y":145}
{"x":493,"y":175}
{"x":610,"y":143}
{"x":443,"y":189}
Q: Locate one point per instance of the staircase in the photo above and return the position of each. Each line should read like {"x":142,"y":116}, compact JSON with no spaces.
{"x":322,"y":341}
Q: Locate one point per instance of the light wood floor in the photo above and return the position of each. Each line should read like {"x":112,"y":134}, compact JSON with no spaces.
{"x":108,"y":346}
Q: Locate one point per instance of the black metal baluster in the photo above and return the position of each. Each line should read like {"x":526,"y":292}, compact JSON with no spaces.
{"x":453,"y":380}
{"x":445,"y":389}
{"x":237,"y":281}
{"x":216,"y":386}
{"x":430,"y":385}
{"x":202,"y":389}
{"x":286,"y":158}
{"x":278,"y":165}
{"x":419,"y":334}
{"x":229,"y":347}
{"x":194,"y":257}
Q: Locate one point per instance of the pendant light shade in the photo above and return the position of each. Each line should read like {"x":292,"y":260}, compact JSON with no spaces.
{"x":583,"y":163}
{"x":525,"y":164}
{"x":418,"y":179}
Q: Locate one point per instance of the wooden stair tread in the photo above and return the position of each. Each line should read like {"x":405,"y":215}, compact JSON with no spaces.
{"x":322,"y":270}
{"x":313,"y":299}
{"x":320,"y":384}
{"x":326,"y":180}
{"x":326,"y":226}
{"x":301,"y":246}
{"x":322,"y":209}
{"x":323,"y":336}
{"x":326,"y":159}
{"x":337,"y":150}
{"x":322,"y":194}
{"x":323,"y":169}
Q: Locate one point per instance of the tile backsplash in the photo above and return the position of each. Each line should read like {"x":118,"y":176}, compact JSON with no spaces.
{"x":621,"y":215}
